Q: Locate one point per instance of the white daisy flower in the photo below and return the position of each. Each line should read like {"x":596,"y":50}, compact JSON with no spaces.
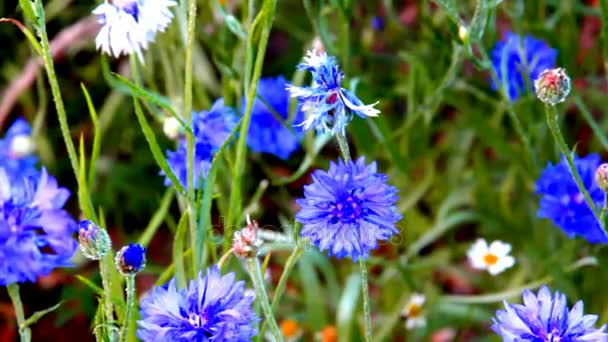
{"x":129,"y":25}
{"x":412,"y":312}
{"x":494,"y":258}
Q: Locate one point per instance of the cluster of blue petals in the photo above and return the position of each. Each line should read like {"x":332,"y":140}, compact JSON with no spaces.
{"x":212,"y":308}
{"x":270,"y":130}
{"x":524,"y":59}
{"x":544,"y":317}
{"x":211,"y":128}
{"x":348,"y":209}
{"x":563,"y":203}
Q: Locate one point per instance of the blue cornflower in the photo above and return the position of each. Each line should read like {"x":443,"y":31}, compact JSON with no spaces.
{"x":211,"y":128}
{"x":16,"y":151}
{"x":128,"y":26}
{"x":130,"y":259}
{"x":525,"y":60}
{"x":36,"y":234}
{"x":212,"y":308}
{"x":348,"y":208}
{"x":328,"y":106}
{"x":267,"y":133}
{"x":564,"y":204}
{"x":547,"y":318}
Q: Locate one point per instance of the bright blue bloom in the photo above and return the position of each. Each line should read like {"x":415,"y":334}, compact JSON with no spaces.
{"x":524,"y":61}
{"x":348,"y":208}
{"x":131,"y":258}
{"x":328,"y":106}
{"x":564,"y":204}
{"x":36,"y":234}
{"x":211,"y":129}
{"x":16,"y":149}
{"x":546,"y":318}
{"x":212,"y":308}
{"x":267,"y":133}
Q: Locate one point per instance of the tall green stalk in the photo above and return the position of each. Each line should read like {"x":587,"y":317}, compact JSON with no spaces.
{"x":255,"y":272}
{"x":130,"y":289}
{"x":24,"y":332}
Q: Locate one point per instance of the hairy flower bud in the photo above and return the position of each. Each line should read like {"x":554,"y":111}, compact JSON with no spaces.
{"x":552,"y":86}
{"x":131,"y":259}
{"x":94,"y":241}
{"x":246,"y":241}
{"x":601,"y":177}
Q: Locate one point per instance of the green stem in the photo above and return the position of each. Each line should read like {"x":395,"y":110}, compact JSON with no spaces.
{"x":603,"y":211}
{"x":194,"y":236}
{"x":343,"y":144}
{"x":552,"y":117}
{"x":13,"y":292}
{"x":241,"y":152}
{"x":255,"y":273}
{"x":106,"y":275}
{"x":130,"y":289}
{"x":604,"y":15}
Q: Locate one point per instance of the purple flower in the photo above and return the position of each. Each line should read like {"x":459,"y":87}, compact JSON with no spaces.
{"x":16,"y":151}
{"x":211,"y":128}
{"x":212,"y":308}
{"x":266,"y":132}
{"x":348,"y":208}
{"x":544,"y":317}
{"x":328,"y":106}
{"x":524,"y":60}
{"x":36,"y":234}
{"x":564,"y":204}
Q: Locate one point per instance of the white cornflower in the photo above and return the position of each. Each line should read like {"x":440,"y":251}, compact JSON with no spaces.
{"x":412,"y":312}
{"x":494,"y":258}
{"x":129,"y":25}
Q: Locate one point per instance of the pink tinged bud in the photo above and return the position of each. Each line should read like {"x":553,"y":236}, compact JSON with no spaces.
{"x":552,"y":86}
{"x":601,"y":177}
{"x":246,"y":241}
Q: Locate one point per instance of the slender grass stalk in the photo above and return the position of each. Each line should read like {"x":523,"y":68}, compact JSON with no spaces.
{"x":604,"y":16}
{"x":106,"y":274}
{"x":603,"y":211}
{"x":255,"y":272}
{"x":24,"y":332}
{"x":552,"y":116}
{"x":130,"y":289}
{"x":362,"y":263}
{"x":267,"y":13}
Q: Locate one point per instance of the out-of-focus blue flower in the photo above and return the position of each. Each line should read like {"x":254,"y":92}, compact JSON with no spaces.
{"x":524,"y":60}
{"x":564,"y":204}
{"x":328,"y":106}
{"x":211,"y":128}
{"x":16,"y":151}
{"x":131,"y":259}
{"x":36,"y":234}
{"x":129,"y":25}
{"x":544,"y":317}
{"x":212,"y":308}
{"x":266,"y":132}
{"x":377,"y":23}
{"x":348,"y":209}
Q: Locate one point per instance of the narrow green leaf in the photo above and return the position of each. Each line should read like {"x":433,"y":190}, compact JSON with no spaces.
{"x":28,"y":10}
{"x":178,"y":250}
{"x":90,"y":284}
{"x":157,"y":218}
{"x":315,"y":302}
{"x":39,"y":314}
{"x":347,"y":308}
{"x":450,"y":7}
{"x":96,"y":136}
{"x":84,"y":198}
{"x":28,"y":34}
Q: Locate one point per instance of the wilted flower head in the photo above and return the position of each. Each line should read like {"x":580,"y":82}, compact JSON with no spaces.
{"x":328,"y":106}
{"x":348,"y":209}
{"x":36,"y":234}
{"x":565,"y":205}
{"x":246,"y":241}
{"x":211,"y":128}
{"x":94,"y":241}
{"x":266,"y":132}
{"x":552,"y":86}
{"x":212,"y":308}
{"x":524,"y":59}
{"x":544,"y":317}
{"x":412,"y":312}
{"x":494,"y":258}
{"x":131,"y":259}
{"x":16,"y":151}
{"x":129,"y":25}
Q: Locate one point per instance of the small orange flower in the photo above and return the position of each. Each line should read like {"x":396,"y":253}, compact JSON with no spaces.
{"x":328,"y":334}
{"x":290,"y":329}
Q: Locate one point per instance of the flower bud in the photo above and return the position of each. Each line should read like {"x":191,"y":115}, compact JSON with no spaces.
{"x":130,"y":259}
{"x":552,"y":86}
{"x":21,"y":146}
{"x":172,"y":127}
{"x":246,"y":241}
{"x":317,"y":45}
{"x":463,"y":33}
{"x":94,"y":241}
{"x":601,"y":177}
